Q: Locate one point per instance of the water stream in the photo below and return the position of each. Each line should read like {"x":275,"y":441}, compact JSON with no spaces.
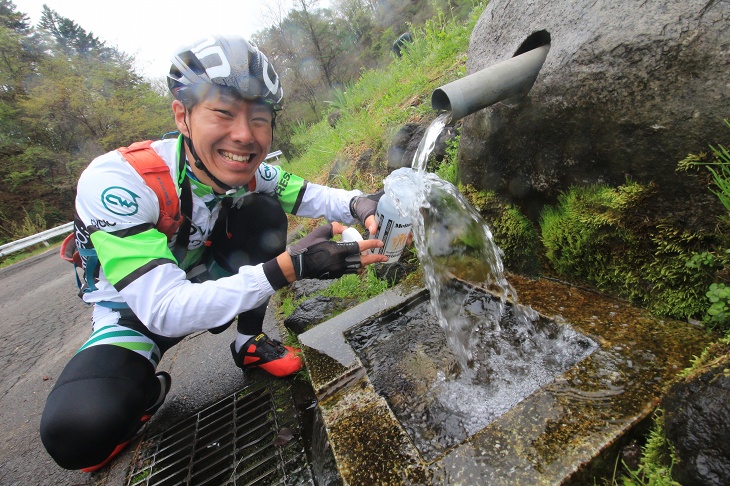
{"x":452,"y":241}
{"x":450,"y":365}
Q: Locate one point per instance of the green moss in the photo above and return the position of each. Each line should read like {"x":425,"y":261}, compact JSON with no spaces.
{"x":362,"y":286}
{"x":512,"y":231}
{"x":448,"y":170}
{"x":658,"y":459}
{"x":141,"y":476}
{"x":594,"y":235}
{"x":355,"y":287}
{"x":584,"y":233}
{"x":677,"y":290}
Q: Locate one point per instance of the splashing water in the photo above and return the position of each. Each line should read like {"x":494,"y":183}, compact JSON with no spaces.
{"x":499,"y":352}
{"x":452,"y":241}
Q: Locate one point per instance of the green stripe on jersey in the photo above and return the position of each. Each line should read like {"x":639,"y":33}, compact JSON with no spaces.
{"x":287,"y":190}
{"x":127,"y":338}
{"x":119,"y":257}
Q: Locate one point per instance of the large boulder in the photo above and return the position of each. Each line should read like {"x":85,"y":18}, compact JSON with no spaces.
{"x":628,"y":89}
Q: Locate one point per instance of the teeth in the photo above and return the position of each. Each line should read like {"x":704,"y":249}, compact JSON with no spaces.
{"x":237,"y":158}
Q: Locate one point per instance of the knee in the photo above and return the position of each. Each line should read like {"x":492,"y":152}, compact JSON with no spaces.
{"x":265,"y":213}
{"x":253,"y":233}
{"x":96,"y":404}
{"x":272,"y":224}
{"x":84,"y":421}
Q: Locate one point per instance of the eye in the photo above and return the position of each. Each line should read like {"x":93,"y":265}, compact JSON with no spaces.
{"x":261,"y":116}
{"x":223,"y":112}
{"x":262,"y":120}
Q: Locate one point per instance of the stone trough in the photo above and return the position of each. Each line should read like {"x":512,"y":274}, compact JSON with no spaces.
{"x":568,"y":431}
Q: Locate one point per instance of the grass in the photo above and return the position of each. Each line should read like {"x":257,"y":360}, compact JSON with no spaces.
{"x":361,"y":287}
{"x":381,"y":101}
{"x":371,"y":110}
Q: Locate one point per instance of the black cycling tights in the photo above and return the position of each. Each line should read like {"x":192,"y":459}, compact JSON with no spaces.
{"x":97,"y":404}
{"x":104,"y":391}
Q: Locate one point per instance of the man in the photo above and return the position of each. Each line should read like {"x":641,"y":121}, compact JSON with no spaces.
{"x":225,"y":260}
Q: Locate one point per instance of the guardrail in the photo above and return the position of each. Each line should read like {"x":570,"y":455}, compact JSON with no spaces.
{"x":276,"y":154}
{"x":42,"y":237}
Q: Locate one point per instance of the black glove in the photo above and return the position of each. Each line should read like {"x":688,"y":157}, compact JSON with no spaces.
{"x":315,"y":256}
{"x":363,"y":206}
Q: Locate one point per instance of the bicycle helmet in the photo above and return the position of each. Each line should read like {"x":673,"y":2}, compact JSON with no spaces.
{"x":228,"y":61}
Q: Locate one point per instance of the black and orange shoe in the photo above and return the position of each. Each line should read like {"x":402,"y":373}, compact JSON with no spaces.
{"x":269,"y":355}
{"x":165,"y":384}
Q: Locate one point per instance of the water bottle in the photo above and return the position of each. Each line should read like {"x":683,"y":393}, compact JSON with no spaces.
{"x":393,"y":230}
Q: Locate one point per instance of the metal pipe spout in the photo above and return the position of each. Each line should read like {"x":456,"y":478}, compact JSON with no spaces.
{"x":504,"y":80}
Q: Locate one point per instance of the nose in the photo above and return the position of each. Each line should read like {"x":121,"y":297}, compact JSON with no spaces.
{"x":241,"y":131}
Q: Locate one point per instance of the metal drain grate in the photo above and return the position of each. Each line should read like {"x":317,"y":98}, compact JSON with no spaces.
{"x":244,"y":439}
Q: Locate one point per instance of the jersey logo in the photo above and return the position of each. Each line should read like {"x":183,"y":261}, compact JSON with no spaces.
{"x":120,"y":201}
{"x":267,"y":172}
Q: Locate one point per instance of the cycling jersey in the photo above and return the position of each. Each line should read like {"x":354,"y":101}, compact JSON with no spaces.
{"x":116,"y":213}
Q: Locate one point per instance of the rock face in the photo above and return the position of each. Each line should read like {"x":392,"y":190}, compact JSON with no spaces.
{"x":312,"y":312}
{"x":697,"y":422}
{"x":406,"y":141}
{"x":627,"y":90}
{"x":404,"y":146}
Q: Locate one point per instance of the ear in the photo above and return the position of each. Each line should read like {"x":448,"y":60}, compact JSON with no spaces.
{"x":180,"y":113}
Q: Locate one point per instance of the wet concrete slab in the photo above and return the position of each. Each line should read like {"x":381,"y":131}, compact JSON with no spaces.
{"x":567,"y":432}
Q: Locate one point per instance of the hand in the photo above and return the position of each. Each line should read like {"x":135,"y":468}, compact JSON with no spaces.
{"x":364,"y":207}
{"x":316,"y":256}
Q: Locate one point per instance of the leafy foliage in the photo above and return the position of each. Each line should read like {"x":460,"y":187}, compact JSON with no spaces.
{"x":591,"y":235}
{"x":70,"y":37}
{"x":718,"y":165}
{"x":714,"y":263}
{"x":719,"y":296}
{"x":32,"y":223}
{"x":65,"y":98}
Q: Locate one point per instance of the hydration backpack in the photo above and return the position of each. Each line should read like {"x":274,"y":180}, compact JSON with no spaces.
{"x":156,"y":175}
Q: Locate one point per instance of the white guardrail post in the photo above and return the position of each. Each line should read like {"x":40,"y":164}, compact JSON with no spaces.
{"x":9,"y":248}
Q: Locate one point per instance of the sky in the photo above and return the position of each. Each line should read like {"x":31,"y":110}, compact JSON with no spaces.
{"x":152,"y":30}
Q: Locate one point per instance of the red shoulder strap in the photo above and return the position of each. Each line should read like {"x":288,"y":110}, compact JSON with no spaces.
{"x":156,"y":175}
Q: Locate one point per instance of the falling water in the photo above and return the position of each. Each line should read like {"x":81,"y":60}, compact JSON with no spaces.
{"x":496,"y":351}
{"x":452,"y":241}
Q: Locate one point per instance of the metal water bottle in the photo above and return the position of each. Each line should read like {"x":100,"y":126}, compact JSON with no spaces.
{"x":393,"y":230}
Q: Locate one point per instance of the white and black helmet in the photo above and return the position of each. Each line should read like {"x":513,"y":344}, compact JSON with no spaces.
{"x":228,"y":61}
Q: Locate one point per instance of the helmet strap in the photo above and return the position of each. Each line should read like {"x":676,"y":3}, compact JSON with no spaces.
{"x":200,"y":165}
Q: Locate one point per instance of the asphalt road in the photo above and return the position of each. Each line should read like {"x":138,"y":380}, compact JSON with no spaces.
{"x":44,"y":323}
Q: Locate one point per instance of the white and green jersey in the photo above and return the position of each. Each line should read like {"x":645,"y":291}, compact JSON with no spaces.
{"x":116,"y":213}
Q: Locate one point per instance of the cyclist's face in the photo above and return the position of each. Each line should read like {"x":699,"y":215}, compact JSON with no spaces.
{"x":231,"y":136}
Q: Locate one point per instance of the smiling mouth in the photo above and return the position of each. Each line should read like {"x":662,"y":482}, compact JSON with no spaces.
{"x":236,"y":158}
